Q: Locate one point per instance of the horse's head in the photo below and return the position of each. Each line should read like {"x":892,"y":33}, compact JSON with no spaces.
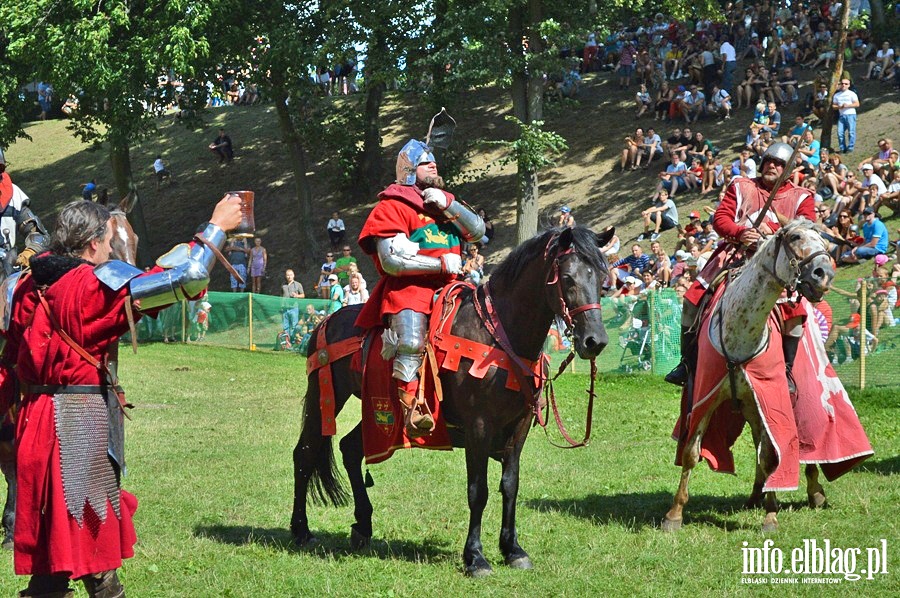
{"x":578,"y":271}
{"x":801,"y":259}
{"x":124,"y":242}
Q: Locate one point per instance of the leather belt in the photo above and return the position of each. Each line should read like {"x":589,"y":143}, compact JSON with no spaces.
{"x":66,"y":389}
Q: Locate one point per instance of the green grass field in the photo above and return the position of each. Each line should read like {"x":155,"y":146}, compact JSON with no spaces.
{"x":209,"y":457}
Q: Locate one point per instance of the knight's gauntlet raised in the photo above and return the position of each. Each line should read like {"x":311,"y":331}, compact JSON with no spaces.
{"x":185,"y":272}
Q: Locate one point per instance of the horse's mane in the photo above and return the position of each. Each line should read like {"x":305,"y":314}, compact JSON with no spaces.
{"x":584,"y":242}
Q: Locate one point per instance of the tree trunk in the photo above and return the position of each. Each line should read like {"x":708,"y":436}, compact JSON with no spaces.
{"x":370,"y":170}
{"x":877,"y":15}
{"x":528,"y":106}
{"x":827,"y":124}
{"x":120,"y":161}
{"x":300,"y":166}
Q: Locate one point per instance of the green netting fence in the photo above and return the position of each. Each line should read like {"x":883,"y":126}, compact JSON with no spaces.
{"x":644,"y":330}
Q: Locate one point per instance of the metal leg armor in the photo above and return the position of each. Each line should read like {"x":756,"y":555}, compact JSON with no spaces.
{"x":410,"y":328}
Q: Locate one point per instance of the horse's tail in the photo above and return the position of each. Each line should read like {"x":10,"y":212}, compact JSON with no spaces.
{"x":324,"y":480}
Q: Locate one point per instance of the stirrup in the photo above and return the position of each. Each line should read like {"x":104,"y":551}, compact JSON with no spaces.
{"x":679,"y":375}
{"x":416,"y":423}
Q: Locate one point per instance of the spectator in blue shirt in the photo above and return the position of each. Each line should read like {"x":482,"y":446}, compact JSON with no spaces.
{"x":673,"y":178}
{"x":875,"y":239}
{"x":88,"y":193}
{"x":633,"y":264}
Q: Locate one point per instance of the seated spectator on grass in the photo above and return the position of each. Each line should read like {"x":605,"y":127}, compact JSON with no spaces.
{"x":712,"y":173}
{"x":809,"y":149}
{"x":661,"y":217}
{"x":88,"y":189}
{"x":774,"y":123}
{"x":694,"y":104}
{"x":663,"y":99}
{"x":633,"y":145}
{"x":882,"y":158}
{"x":787,"y":90}
{"x":744,"y":166}
{"x":796,"y":131}
{"x":222,"y":147}
{"x":565,"y":219}
{"x":612,"y":247}
{"x":642,"y":101}
{"x":354,"y":293}
{"x":323,"y":284}
{"x":891,"y":197}
{"x":673,"y":178}
{"x":631,"y":265}
{"x":821,"y":103}
{"x":680,"y":266}
{"x":488,"y":227}
{"x":708,"y":238}
{"x":473,"y":267}
{"x":662,"y":266}
{"x":652,"y":147}
{"x":720,"y":102}
{"x":884,"y":59}
{"x":823,"y":213}
{"x":336,"y":230}
{"x":875,"y":239}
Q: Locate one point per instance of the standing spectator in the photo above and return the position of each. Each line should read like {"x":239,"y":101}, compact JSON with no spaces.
{"x":87,"y":193}
{"x":355,"y":293}
{"x":259,"y":260}
{"x":626,"y":65}
{"x":159,"y":167}
{"x":875,"y":239}
{"x":846,"y":102}
{"x":323,"y":283}
{"x":290,"y":311}
{"x":729,"y":63}
{"x":336,"y":230}
{"x":565,"y":219}
{"x":342,"y":265}
{"x":238,"y":251}
{"x":222,"y":147}
{"x":336,"y":293}
{"x":663,"y":215}
{"x":45,"y":99}
{"x":203,"y":310}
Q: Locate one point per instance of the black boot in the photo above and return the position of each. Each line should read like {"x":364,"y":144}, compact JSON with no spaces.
{"x":789,"y":345}
{"x":679,"y":375}
{"x":104,"y":585}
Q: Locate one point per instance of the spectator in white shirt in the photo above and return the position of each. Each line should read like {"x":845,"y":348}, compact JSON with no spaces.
{"x":846,"y":102}
{"x":336,"y":230}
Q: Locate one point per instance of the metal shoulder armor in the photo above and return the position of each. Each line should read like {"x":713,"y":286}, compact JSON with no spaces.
{"x":7,"y":288}
{"x":116,"y":274}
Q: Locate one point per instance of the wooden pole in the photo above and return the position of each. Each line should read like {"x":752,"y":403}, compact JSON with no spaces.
{"x":651,"y":298}
{"x":252,"y":347}
{"x":827,"y":124}
{"x":863,"y":340}
{"x":183,"y":321}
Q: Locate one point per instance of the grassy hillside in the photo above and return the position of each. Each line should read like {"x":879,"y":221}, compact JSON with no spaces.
{"x":52,"y":167}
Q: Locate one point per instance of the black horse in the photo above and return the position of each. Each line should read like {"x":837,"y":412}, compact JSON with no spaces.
{"x":558,"y":273}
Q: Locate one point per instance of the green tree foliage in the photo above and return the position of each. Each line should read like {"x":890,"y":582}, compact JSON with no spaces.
{"x":110,"y":55}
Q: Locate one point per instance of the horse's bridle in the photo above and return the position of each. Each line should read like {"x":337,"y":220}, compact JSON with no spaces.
{"x":553,"y":279}
{"x":797,"y":262}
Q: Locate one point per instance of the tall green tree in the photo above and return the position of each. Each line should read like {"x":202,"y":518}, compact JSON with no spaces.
{"x":110,"y":55}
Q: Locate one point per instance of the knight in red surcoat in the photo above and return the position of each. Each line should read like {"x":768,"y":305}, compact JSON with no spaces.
{"x":734,"y":218}
{"x":414,"y":235}
{"x":73,"y":520}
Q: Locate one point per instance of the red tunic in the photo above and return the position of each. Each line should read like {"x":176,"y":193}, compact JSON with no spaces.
{"x":400,"y":210}
{"x":743,"y":201}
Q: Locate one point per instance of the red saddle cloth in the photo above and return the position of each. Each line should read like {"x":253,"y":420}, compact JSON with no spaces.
{"x":383,"y":430}
{"x":382,"y":416}
{"x":821,"y":427}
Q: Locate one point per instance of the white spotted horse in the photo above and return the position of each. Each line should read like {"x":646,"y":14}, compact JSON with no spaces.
{"x":741,"y":378}
{"x":560,"y":273}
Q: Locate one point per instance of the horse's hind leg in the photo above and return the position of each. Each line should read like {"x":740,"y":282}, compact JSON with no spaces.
{"x":814,"y":489}
{"x":305,"y":454}
{"x":352,"y":452}
{"x":477,"y":448}
{"x":515,"y":556}
{"x":766,"y":462}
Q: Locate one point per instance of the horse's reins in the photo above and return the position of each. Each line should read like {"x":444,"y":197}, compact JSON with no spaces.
{"x":523,"y":372}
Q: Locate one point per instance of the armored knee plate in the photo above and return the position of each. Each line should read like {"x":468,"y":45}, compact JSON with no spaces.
{"x":410,"y":328}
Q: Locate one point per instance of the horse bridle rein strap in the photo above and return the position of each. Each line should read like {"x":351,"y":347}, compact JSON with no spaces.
{"x":553,"y":280}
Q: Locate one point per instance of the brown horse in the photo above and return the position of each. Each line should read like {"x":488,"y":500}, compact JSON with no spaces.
{"x":558,"y":273}
{"x":124,"y":247}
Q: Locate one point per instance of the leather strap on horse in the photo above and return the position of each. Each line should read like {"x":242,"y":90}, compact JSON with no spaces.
{"x":102,"y":367}
{"x":321,"y":360}
{"x":550,"y":395}
{"x":221,"y":258}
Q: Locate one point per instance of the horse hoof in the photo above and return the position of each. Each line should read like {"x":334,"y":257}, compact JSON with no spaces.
{"x":358,"y":541}
{"x":753,"y":503}
{"x":770,"y":527}
{"x":307,"y":542}
{"x":817,"y":501}
{"x":521,"y":562}
{"x":478,"y":571}
{"x":670,"y":525}
{"x":7,"y":544}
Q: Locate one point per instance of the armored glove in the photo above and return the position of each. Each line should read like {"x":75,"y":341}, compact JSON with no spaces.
{"x":435,"y":198}
{"x":451,"y":263}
